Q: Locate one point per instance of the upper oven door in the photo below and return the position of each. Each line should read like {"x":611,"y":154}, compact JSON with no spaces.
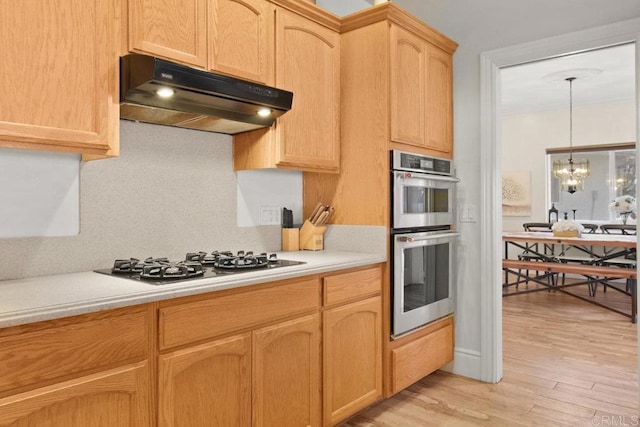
{"x":422,"y":200}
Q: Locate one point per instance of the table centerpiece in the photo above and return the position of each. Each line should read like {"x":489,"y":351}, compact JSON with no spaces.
{"x":567,"y":228}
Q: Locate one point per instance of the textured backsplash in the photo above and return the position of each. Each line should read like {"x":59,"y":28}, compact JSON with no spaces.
{"x":169,"y":192}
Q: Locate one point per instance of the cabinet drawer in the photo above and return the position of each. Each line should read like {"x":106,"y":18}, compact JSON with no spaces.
{"x":50,"y":350}
{"x":419,"y":358}
{"x":351,"y":286}
{"x":195,"y":321}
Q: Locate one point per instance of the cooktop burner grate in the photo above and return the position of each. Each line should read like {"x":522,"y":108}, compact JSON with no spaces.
{"x":159,"y":271}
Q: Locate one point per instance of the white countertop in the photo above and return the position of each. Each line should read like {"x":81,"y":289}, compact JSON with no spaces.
{"x":49,"y":297}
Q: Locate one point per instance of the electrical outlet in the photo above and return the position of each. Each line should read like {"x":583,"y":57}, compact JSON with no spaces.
{"x":270,"y":215}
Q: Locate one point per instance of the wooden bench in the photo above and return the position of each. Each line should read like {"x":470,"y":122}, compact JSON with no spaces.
{"x":560,"y":267}
{"x":595,"y":274}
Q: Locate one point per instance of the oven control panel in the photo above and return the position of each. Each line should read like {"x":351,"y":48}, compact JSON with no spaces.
{"x":401,"y":160}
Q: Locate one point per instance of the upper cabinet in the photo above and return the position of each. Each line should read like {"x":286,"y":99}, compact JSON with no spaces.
{"x":421,"y":93}
{"x":240,"y":38}
{"x":59,"y":76}
{"x":396,"y":94}
{"x":228,"y":36}
{"x":174,"y":29}
{"x":307,"y":62}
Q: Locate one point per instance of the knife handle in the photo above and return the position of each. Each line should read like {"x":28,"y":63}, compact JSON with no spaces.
{"x":316,"y":211}
{"x":322,"y":219}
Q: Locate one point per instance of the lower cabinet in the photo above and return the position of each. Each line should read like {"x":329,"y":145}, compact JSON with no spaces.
{"x":268,"y":377}
{"x":352,"y":358}
{"x":286,"y":374}
{"x":208,"y":384}
{"x":421,"y":356}
{"x":114,"y":398}
{"x":243,"y":357}
{"x":87,"y":370}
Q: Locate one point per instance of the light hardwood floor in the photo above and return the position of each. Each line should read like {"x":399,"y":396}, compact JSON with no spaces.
{"x":566,"y":363}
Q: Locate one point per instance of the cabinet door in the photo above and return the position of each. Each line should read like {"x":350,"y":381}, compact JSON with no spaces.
{"x":308,"y":64}
{"x":241,"y":38}
{"x":352,"y":337}
{"x":439,"y":106}
{"x":58,"y":85}
{"x":408,"y":80}
{"x":118,"y":397}
{"x":286,"y":374}
{"x":173,"y":29}
{"x":207,"y":384}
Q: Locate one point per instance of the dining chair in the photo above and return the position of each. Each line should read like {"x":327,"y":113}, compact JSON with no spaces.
{"x":590,"y":228}
{"x":629,"y":229}
{"x":537,"y":226}
{"x":534,"y":227}
{"x":627,"y":261}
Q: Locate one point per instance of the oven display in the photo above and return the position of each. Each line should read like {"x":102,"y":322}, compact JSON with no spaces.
{"x":425,"y":164}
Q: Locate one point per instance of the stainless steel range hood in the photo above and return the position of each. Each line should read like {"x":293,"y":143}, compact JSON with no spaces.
{"x":195,"y":99}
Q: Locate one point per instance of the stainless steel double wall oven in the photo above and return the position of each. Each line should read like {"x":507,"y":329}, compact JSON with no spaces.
{"x":423,"y":198}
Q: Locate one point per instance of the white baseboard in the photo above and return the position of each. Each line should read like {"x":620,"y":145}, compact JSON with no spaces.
{"x":467,"y":363}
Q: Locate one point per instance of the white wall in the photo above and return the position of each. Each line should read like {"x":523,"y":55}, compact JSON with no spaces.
{"x":479,"y":26}
{"x":343,"y":7}
{"x":525,"y":137}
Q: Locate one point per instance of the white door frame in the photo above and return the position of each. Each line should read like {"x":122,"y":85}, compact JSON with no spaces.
{"x":490,"y":167}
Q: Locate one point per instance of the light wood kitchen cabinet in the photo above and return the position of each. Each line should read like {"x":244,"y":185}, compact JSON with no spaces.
{"x":408,"y":81}
{"x":396,"y":93}
{"x":352,"y":358}
{"x":415,"y":358}
{"x":233,"y":37}
{"x":286,"y":374}
{"x":241,"y":39}
{"x":117,"y":397}
{"x":242,"y":357}
{"x":58,"y":373}
{"x":208,"y":384}
{"x":307,"y":61}
{"x":173,"y":29}
{"x":421,"y":93}
{"x":59,"y":76}
{"x":352,"y":343}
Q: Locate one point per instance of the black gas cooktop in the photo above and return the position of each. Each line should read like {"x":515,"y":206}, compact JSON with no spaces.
{"x":196,"y":265}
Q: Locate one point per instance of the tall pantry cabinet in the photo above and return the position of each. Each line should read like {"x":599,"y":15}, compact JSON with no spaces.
{"x":396,"y":94}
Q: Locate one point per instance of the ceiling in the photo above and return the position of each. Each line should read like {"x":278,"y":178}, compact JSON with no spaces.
{"x":540,"y":86}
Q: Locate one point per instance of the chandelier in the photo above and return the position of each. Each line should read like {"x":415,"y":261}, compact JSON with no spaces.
{"x":571,"y":173}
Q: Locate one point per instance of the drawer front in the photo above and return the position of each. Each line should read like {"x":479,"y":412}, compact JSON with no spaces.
{"x":46,"y":351}
{"x":352,"y":286}
{"x":199,"y":320}
{"x":419,"y":358}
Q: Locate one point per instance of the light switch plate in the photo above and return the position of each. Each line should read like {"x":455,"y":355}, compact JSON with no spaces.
{"x":468,"y":213}
{"x":270,"y":215}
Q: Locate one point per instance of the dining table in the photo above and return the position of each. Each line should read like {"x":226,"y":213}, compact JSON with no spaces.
{"x":594,"y":258}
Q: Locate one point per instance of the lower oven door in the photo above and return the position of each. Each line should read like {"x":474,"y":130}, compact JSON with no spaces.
{"x":422,"y":278}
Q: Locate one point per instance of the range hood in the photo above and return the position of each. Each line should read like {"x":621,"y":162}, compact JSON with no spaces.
{"x":153,"y":90}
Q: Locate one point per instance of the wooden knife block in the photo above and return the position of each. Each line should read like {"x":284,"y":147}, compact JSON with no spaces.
{"x":312,"y":237}
{"x":290,"y":239}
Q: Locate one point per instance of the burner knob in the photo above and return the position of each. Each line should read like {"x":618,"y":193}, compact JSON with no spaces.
{"x":273,"y":258}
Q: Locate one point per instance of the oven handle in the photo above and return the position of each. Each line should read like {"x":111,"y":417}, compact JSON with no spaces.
{"x":427,"y":237}
{"x":409,"y":175}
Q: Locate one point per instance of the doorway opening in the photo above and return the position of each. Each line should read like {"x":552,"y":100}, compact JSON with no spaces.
{"x":492,"y":63}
